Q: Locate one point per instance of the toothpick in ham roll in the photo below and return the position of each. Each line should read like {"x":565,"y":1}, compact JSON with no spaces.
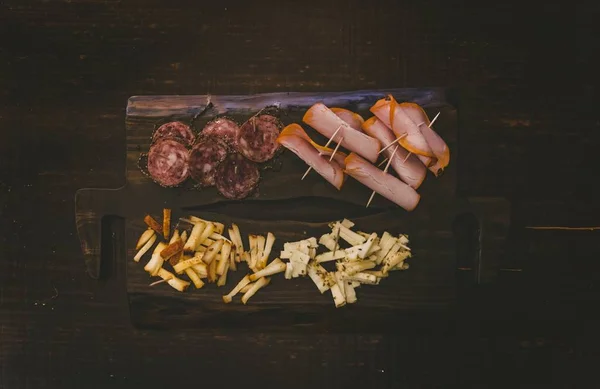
{"x":410,"y":170}
{"x":352,"y":118}
{"x":326,"y":122}
{"x":385,"y":184}
{"x":395,"y":117}
{"x":295,"y":139}
{"x":297,"y":130}
{"x":438,"y":146}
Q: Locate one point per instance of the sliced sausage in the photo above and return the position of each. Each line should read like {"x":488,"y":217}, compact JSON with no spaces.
{"x":176,"y":130}
{"x":168,"y":162}
{"x":257,"y":139}
{"x":224,"y":128}
{"x":205,"y":157}
{"x":237,"y":177}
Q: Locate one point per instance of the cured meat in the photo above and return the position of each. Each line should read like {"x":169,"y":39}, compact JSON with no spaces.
{"x":409,"y":168}
{"x":175,"y":130}
{"x":383,"y":183}
{"x":297,"y":130}
{"x":296,"y":140}
{"x":326,"y":122}
{"x":257,"y":139}
{"x":168,"y":162}
{"x":396,"y":117}
{"x":224,"y":128}
{"x":237,"y":177}
{"x":438,"y":146}
{"x":352,"y":118}
{"x":205,"y":157}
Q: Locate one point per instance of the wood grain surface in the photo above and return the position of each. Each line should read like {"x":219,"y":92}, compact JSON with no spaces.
{"x":291,"y":209}
{"x":529,"y":79}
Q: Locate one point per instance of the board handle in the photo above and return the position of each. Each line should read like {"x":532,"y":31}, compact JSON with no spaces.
{"x":482,"y":236}
{"x":91,"y":206}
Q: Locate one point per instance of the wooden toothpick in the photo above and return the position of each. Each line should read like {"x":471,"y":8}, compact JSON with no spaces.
{"x":433,"y":121}
{"x":160,"y":281}
{"x":394,"y":142}
{"x":320,"y":153}
{"x":336,"y":148}
{"x":385,"y":171}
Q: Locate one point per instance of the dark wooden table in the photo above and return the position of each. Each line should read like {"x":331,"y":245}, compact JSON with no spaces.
{"x":529,"y":88}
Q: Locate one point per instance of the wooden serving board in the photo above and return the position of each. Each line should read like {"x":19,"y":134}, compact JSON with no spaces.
{"x":293,"y":209}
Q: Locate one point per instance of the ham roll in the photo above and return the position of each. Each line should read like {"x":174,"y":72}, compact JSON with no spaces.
{"x":297,"y":130}
{"x":295,"y":139}
{"x":409,"y":168}
{"x":326,"y":122}
{"x":352,"y":118}
{"x":385,"y":184}
{"x":438,"y":146}
{"x":396,"y":117}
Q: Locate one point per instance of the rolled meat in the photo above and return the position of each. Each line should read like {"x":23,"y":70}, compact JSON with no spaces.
{"x":326,"y":122}
{"x":352,"y":118}
{"x":297,"y":130}
{"x":438,"y":146}
{"x":396,"y":117}
{"x":292,"y":139}
{"x":410,"y":170}
{"x":385,"y":184}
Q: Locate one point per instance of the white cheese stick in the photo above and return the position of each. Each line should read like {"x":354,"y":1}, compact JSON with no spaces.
{"x":194,"y":277}
{"x":363,"y":278}
{"x":243,"y":282}
{"x":145,"y":237}
{"x":277,"y":266}
{"x":145,"y":247}
{"x":255,"y":287}
{"x":267,"y":250}
{"x":224,"y":261}
{"x":338,"y":297}
{"x":155,"y":263}
{"x":349,"y":292}
{"x":176,"y":283}
{"x":193,"y":240}
{"x":330,"y":256}
{"x":212,"y":251}
{"x":195,"y":260}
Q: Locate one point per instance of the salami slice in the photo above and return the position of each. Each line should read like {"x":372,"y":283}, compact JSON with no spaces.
{"x":176,"y":130}
{"x":168,"y":162}
{"x":237,"y":177}
{"x":257,"y":139}
{"x":205,"y":156}
{"x":224,"y":128}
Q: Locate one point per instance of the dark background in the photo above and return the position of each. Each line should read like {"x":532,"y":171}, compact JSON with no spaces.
{"x":529,"y":83}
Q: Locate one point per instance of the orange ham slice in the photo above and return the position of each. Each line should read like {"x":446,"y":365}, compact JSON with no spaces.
{"x":395,"y":117}
{"x":438,"y":146}
{"x":385,"y":184}
{"x":409,"y":168}
{"x":297,"y":130}
{"x":326,"y":122}
{"x":295,"y":139}
{"x":352,"y":118}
